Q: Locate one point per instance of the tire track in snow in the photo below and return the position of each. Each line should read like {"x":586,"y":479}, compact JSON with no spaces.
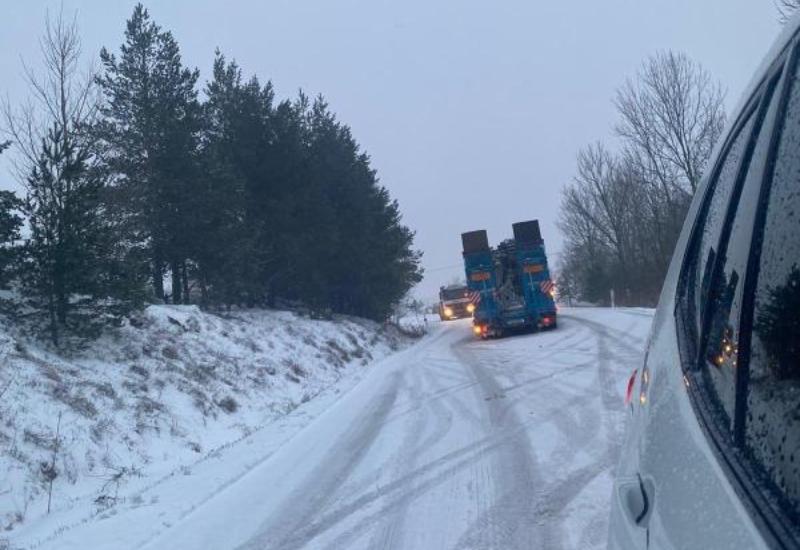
{"x":613,"y":412}
{"x":390,"y":532}
{"x":508,"y":522}
{"x":577,"y":433}
{"x":623,"y":338}
{"x":429,"y":407}
{"x":314,"y":493}
{"x":519,"y":509}
{"x":424,"y":478}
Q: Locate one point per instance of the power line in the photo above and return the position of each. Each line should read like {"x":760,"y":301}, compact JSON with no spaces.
{"x":442,"y":268}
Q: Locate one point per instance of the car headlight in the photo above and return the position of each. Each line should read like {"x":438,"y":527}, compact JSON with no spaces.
{"x":448,"y":311}
{"x":471,"y":308}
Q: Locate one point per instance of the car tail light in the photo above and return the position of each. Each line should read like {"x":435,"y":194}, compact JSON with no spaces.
{"x":629,"y":390}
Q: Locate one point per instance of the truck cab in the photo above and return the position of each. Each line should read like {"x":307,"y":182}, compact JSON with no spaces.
{"x":455,"y":302}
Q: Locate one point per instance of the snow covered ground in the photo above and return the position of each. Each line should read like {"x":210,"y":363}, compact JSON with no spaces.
{"x":147,"y":405}
{"x":451,"y":443}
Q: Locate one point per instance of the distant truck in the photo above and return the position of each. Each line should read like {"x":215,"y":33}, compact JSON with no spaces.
{"x":511,"y":283}
{"x":454,"y":302}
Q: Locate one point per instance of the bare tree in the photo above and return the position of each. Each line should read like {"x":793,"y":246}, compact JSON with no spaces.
{"x":786,"y":8}
{"x":604,"y":216}
{"x":62,"y":96}
{"x":623,"y":212}
{"x":672,"y":115}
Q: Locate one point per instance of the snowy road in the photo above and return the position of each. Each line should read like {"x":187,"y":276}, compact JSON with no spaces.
{"x":456,"y":443}
{"x":453,"y":443}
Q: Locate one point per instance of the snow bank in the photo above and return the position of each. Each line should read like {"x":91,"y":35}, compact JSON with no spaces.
{"x":155,"y":396}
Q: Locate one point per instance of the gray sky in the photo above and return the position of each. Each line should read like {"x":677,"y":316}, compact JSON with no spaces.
{"x":472,"y":111}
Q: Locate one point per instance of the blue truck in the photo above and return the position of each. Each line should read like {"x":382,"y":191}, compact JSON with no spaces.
{"x":510,"y":284}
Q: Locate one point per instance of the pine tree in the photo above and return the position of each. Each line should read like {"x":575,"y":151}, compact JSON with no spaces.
{"x":151,"y":121}
{"x":353,"y":255}
{"x":236,"y":151}
{"x":63,"y":211}
{"x":10,"y":224}
{"x":69,"y":261}
{"x":248,"y":201}
{"x":313,"y":227}
{"x":287,"y":193}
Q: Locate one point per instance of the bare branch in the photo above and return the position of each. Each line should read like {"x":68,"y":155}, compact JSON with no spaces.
{"x":672,"y":114}
{"x":786,"y":9}
{"x":62,"y":96}
{"x":623,"y":212}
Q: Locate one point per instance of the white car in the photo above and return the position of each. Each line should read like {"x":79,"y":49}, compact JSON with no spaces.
{"x":712,"y":455}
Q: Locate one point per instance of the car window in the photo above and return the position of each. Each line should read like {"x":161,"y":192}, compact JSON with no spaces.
{"x":698,"y":272}
{"x":727,"y":278}
{"x":772,"y":427}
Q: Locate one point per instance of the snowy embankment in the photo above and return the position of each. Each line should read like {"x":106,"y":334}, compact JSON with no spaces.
{"x":149,"y":402}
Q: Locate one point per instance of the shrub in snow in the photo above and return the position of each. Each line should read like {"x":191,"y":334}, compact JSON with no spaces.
{"x":228,"y":404}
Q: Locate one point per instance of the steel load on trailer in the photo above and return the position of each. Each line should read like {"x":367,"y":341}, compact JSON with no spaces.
{"x":511,"y":283}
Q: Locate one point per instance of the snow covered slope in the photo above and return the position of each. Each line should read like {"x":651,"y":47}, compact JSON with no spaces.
{"x":154,"y":399}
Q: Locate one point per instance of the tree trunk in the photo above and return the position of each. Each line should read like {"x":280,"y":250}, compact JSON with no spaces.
{"x":53,"y":319}
{"x":177,"y":284}
{"x":185,"y":282}
{"x":60,"y":298}
{"x":202,"y":279}
{"x":158,"y":276}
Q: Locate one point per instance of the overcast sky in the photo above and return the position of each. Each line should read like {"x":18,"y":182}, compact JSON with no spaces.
{"x":472,"y":111}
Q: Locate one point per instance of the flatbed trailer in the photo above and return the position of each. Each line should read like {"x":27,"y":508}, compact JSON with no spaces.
{"x":511,"y":283}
